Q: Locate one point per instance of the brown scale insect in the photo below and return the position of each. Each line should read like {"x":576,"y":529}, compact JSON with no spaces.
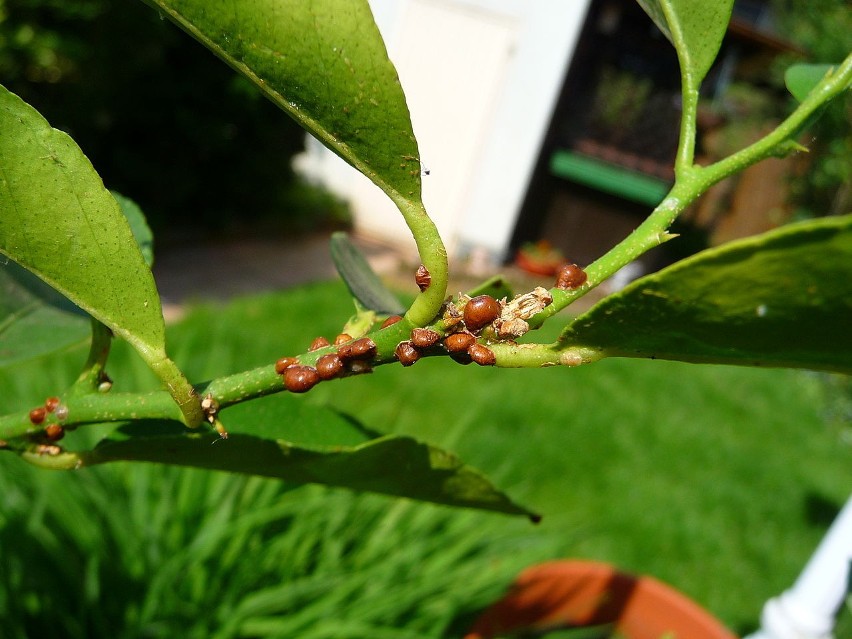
{"x":393,"y":319}
{"x":479,"y":311}
{"x":363,"y":348}
{"x":329,"y":366}
{"x":424,"y":337}
{"x":284,"y":363}
{"x":318,"y":343}
{"x":406,"y":353}
{"x":54,"y":432}
{"x":51,"y":403}
{"x":300,"y":379}
{"x":37,"y":415}
{"x":482,"y":355}
{"x":570,"y":276}
{"x":423,"y":278}
{"x":342,"y":339}
{"x":458,"y":342}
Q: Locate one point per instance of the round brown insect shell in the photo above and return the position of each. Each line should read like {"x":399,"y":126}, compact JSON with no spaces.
{"x":423,"y":278}
{"x":51,"y":403}
{"x":406,"y":353}
{"x":393,"y":319}
{"x":481,"y":354}
{"x":284,"y":363}
{"x":318,"y":343}
{"x":329,"y":366}
{"x":37,"y":415}
{"x":300,"y":379}
{"x":424,"y":337}
{"x":570,"y":276}
{"x":342,"y":339}
{"x":363,"y":348}
{"x":458,"y":342}
{"x":479,"y":311}
{"x":54,"y":432}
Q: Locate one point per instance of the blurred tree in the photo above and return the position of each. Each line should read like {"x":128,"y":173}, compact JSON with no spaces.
{"x":163,"y":121}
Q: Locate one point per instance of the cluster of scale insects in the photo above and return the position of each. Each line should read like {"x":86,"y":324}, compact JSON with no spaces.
{"x":464,"y":325}
{"x":53,"y":431}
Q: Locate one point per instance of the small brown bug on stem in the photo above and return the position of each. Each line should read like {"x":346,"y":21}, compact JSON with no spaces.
{"x":329,"y":366}
{"x":406,"y":353}
{"x":342,"y":339}
{"x":424,"y":337}
{"x":570,"y":276}
{"x":480,"y":310}
{"x":51,"y":403}
{"x":363,"y":348}
{"x":423,"y":278}
{"x":393,"y":319}
{"x":482,"y":355}
{"x":54,"y":432}
{"x":37,"y":415}
{"x":458,"y":342}
{"x":300,"y":379}
{"x":318,"y":343}
{"x":284,"y":363}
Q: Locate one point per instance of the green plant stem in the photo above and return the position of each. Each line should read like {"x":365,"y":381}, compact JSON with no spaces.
{"x":94,"y":370}
{"x":692,"y":181}
{"x":433,"y":255}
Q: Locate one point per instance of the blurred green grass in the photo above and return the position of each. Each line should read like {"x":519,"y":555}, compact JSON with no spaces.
{"x":718,"y":480}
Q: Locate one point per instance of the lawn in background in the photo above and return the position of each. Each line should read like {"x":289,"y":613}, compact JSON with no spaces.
{"x":717,"y":480}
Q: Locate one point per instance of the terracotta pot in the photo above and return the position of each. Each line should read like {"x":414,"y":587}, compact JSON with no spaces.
{"x":576,"y":594}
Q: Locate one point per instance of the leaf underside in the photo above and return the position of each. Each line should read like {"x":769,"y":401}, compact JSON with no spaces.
{"x":390,"y":465}
{"x":783,"y":298}
{"x":696,"y":29}
{"x":361,"y":280}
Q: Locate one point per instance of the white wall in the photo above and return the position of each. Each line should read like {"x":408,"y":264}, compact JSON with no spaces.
{"x":481,"y":78}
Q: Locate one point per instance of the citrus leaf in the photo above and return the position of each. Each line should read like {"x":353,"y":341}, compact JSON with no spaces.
{"x":59,"y":222}
{"x":138,"y":226}
{"x":695,"y":28}
{"x":801,"y":78}
{"x":390,"y":465}
{"x":34,"y":319}
{"x":325,"y":64}
{"x":360,"y":278}
{"x":783,"y":298}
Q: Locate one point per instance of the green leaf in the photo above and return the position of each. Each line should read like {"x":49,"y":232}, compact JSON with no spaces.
{"x":325,"y":64}
{"x":801,"y":78}
{"x":695,"y":28}
{"x":138,"y":226}
{"x":59,"y":222}
{"x":398,"y":466}
{"x":360,"y":278}
{"x":783,"y":298}
{"x":34,"y":319}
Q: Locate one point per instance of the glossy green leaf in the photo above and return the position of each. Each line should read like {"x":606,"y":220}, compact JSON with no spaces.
{"x":59,"y":222}
{"x":324,"y":63}
{"x":390,"y":465}
{"x":695,"y":28}
{"x":360,"y":278}
{"x":783,"y":298}
{"x":801,"y":78}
